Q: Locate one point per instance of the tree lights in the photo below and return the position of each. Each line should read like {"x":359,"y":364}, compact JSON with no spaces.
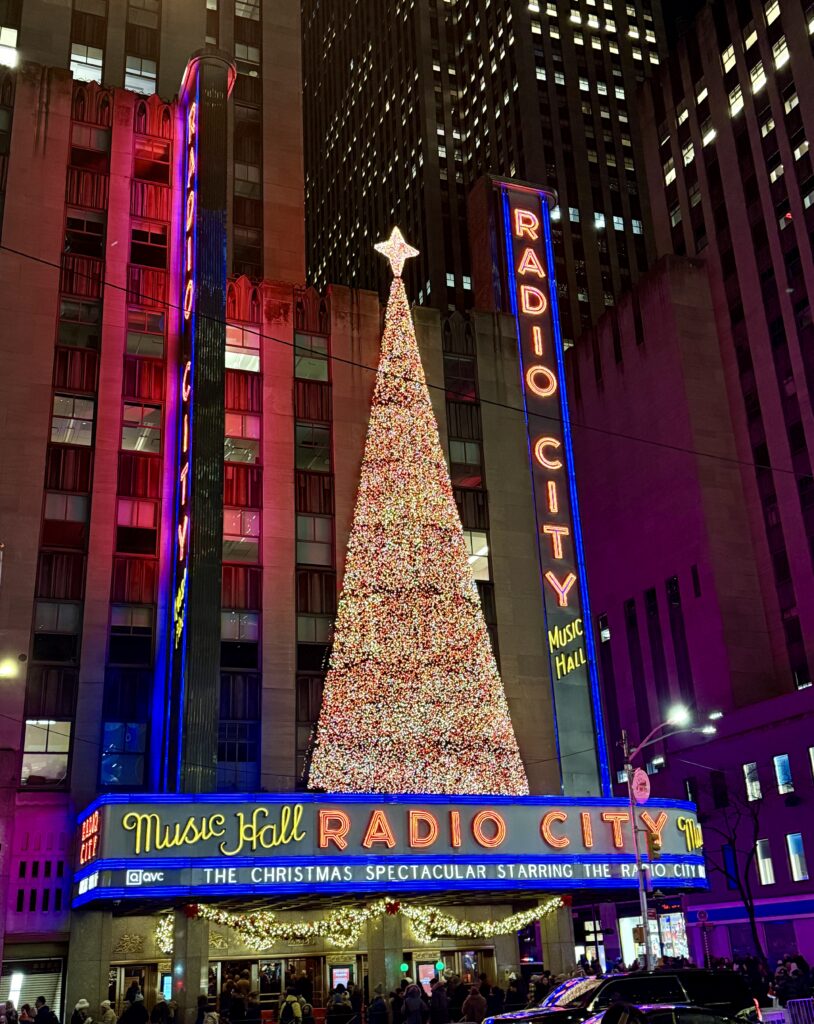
{"x":413,"y":700}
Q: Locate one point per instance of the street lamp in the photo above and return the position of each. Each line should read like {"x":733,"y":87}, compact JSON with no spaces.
{"x":679,"y":720}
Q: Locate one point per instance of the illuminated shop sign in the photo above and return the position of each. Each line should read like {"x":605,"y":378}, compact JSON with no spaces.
{"x":532,"y":298}
{"x":284,"y":843}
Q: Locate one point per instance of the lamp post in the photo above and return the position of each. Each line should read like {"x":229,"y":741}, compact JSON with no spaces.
{"x":678,"y":721}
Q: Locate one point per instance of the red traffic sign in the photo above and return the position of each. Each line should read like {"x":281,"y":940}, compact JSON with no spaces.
{"x":641,"y":786}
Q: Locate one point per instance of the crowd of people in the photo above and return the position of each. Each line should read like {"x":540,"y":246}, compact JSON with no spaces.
{"x":792,"y":977}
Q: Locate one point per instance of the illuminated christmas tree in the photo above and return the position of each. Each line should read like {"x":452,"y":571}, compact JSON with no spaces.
{"x":413,"y":700}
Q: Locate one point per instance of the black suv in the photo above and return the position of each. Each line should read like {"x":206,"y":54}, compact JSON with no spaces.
{"x":580,"y":998}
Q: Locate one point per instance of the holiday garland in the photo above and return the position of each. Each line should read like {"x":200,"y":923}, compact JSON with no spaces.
{"x":261,"y":929}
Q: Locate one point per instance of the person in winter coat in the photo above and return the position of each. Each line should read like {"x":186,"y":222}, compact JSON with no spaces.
{"x":136,"y":1012}
{"x":307,"y":1013}
{"x":439,"y":1004}
{"x":160,"y":1012}
{"x":378,"y":1012}
{"x":132,"y":992}
{"x":108,"y":1013}
{"x":474,"y":1008}
{"x":290,"y":1009}
{"x":26,"y":1013}
{"x":495,"y":1001}
{"x":9,"y":1013}
{"x":81,"y":1013}
{"x":414,"y":1010}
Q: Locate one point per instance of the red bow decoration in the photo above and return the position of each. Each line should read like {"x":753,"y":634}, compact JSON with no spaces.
{"x":567,"y":900}
{"x":191,"y":911}
{"x":392,"y":908}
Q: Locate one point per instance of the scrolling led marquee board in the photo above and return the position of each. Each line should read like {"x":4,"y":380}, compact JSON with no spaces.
{"x":523,"y":215}
{"x":225,"y":845}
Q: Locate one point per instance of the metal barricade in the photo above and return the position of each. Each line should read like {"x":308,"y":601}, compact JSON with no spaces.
{"x":800,"y":1011}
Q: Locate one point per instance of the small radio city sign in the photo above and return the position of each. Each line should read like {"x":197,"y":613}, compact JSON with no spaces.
{"x":292,"y":843}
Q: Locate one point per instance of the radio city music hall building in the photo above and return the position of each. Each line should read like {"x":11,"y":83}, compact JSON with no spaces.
{"x":182,"y":456}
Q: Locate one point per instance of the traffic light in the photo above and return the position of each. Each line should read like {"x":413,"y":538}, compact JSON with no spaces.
{"x":653,"y":847}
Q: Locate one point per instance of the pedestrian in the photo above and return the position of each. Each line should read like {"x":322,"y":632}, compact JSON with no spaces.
{"x":495,"y":1001}
{"x":253,"y":1008}
{"x":136,"y":1012}
{"x":81,"y":1013}
{"x":160,"y":1012}
{"x":108,"y":1015}
{"x":44,"y":1014}
{"x":415,"y":1009}
{"x":26,"y":1013}
{"x":307,"y":1013}
{"x":290,"y":1009}
{"x":10,"y":1014}
{"x":378,"y":1011}
{"x":474,"y":1007}
{"x":133,"y":990}
{"x":305,"y":987}
{"x":439,"y":1002}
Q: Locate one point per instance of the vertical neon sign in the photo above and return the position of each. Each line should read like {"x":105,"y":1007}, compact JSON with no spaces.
{"x":183,"y":482}
{"x":569,"y":638}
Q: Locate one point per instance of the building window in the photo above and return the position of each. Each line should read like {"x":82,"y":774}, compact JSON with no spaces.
{"x":758,"y":76}
{"x":131,"y":634}
{"x":477,"y":548}
{"x":780,"y":52}
{"x":72,"y":420}
{"x":728,"y":58}
{"x":313,"y":447}
{"x":797,"y":857}
{"x":57,"y":617}
{"x":248,"y":9}
{"x":782,"y":772}
{"x":123,"y":748}
{"x":729,"y":857}
{"x":141,"y":428}
{"x":46,"y":750}
{"x":752,"y":781}
{"x":314,"y":540}
{"x":140,"y":75}
{"x":765,"y":868}
{"x":240,"y":626}
{"x":86,"y":63}
{"x":144,"y":12}
{"x":311,"y":357}
{"x":145,"y":333}
{"x":241,"y":535}
{"x":8,"y":46}
{"x":735,"y":101}
{"x":242,"y":440}
{"x":811,"y":758}
{"x":314,"y":629}
{"x":772,"y":9}
{"x":242,"y":348}
{"x":708,"y":132}
{"x":67,"y":508}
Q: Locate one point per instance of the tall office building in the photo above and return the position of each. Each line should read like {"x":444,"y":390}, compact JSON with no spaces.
{"x":731,"y":181}
{"x":406,"y":105}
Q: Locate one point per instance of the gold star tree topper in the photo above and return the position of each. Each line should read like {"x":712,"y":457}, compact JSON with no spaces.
{"x":397,"y":251}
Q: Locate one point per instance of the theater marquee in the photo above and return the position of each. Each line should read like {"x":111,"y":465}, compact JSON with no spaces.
{"x":277,"y":844}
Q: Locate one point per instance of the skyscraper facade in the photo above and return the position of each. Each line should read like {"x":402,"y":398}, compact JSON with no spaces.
{"x":731,"y":181}
{"x":406,"y":105}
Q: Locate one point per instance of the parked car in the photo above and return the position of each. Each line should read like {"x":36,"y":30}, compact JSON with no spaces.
{"x":722,"y":992}
{"x":665,"y":1013}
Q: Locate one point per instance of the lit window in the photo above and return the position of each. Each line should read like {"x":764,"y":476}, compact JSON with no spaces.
{"x":790,"y":102}
{"x":758,"y":76}
{"x":675,"y":215}
{"x":688,"y":153}
{"x":464,"y":453}
{"x":584,"y":85}
{"x":313,"y":450}
{"x":728,"y":58}
{"x":780,"y":52}
{"x":477,"y":548}
{"x":242,"y":439}
{"x":767,"y":127}
{"x":468,"y":280}
{"x":749,"y":36}
{"x":735,"y":101}
{"x":782,"y":772}
{"x":811,"y":759}
{"x":72,"y":420}
{"x":599,"y":220}
{"x":669,"y":172}
{"x":683,"y":113}
{"x":140,"y":515}
{"x":637,"y":227}
{"x":86,"y":63}
{"x":239,"y":626}
{"x":752,"y":781}
{"x":141,"y":427}
{"x":140,"y":75}
{"x":242,"y":348}
{"x":775,"y":173}
{"x":618,"y":224}
{"x":46,"y":749}
{"x":314,"y":629}
{"x":765,"y":868}
{"x":310,"y":356}
{"x":314,"y":540}
{"x":708,"y":133}
{"x":450,"y":280}
{"x":797,"y":857}
{"x":801,"y":150}
{"x":573,"y":214}
{"x":8,"y":46}
{"x":241,"y":535}
{"x":772,"y":9}
{"x":559,"y":78}
{"x":702,"y":93}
